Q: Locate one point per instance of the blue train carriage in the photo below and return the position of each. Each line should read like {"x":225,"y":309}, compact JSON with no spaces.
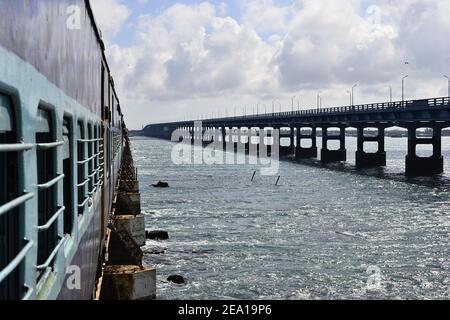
{"x":60,"y":149}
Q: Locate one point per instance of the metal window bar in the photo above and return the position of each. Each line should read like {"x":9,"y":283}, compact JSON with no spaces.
{"x":88,"y":140}
{"x":51,"y":183}
{"x":47,"y":146}
{"x":51,"y":220}
{"x":15,"y":147}
{"x":29,"y":292}
{"x":16,"y":261}
{"x":15,"y":203}
{"x":50,"y":258}
{"x":81,"y":162}
{"x":83,"y":204}
{"x":82,"y":184}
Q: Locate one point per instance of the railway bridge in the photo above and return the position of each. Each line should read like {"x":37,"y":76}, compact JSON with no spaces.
{"x":370,"y":121}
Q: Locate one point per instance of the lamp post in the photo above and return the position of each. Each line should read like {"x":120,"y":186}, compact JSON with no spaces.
{"x":390,"y":94}
{"x":318,"y":100}
{"x":293,"y":98}
{"x":448,"y":79}
{"x":353,"y":94}
{"x":350,"y":95}
{"x":403,"y":89}
{"x":273,"y":106}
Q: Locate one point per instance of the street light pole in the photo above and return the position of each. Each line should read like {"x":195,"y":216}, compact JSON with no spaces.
{"x":353,"y":94}
{"x":350,"y":96}
{"x":293,"y":98}
{"x":318,"y":99}
{"x":448,"y":84}
{"x":403,"y":89}
{"x":390,"y":94}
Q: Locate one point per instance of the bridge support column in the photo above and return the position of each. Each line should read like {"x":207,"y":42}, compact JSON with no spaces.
{"x":289,"y":149}
{"x":253,"y":148}
{"x":371,"y":160}
{"x":224,"y":137}
{"x":333,"y":155}
{"x":306,"y":153}
{"x":263,"y":148}
{"x":192,"y":133}
{"x":418,"y":166}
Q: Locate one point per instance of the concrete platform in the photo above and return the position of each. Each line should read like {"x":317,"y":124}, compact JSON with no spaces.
{"x":128,"y":203}
{"x":128,"y":283}
{"x":134,"y":225}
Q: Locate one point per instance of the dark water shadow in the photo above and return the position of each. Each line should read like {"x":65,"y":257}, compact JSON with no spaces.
{"x":441,"y":182}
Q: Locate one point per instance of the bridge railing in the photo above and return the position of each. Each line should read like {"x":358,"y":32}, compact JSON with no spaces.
{"x":386,"y":106}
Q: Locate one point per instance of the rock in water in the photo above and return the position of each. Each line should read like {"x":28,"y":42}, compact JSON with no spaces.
{"x":161,"y":184}
{"x":176,"y":279}
{"x":157,"y":235}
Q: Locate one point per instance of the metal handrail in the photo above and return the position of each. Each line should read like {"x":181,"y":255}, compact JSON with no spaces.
{"x":16,"y":261}
{"x":46,"y":146}
{"x":46,"y":264}
{"x":83,"y":183}
{"x":50,"y":183}
{"x":15,"y":147}
{"x":15,"y":203}
{"x":51,"y":220}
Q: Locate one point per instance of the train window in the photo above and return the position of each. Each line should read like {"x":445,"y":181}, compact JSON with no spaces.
{"x":108,"y":152}
{"x":68,"y":177}
{"x":97,"y":152}
{"x":103,"y":93}
{"x":81,"y":163}
{"x":47,"y":190}
{"x":90,"y":146}
{"x":9,"y":219}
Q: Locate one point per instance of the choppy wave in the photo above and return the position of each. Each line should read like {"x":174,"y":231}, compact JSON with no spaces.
{"x":312,"y":237}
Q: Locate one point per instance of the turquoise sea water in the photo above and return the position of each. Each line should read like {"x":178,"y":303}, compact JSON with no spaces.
{"x":323,"y":233}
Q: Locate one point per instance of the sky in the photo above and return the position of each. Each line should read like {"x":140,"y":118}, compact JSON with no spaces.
{"x":178,"y":60}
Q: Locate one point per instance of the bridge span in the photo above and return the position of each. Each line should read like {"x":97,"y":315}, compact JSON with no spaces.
{"x":370,"y":121}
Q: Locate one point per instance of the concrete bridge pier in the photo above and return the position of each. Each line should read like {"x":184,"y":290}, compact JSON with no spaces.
{"x":419,"y":166}
{"x":224,"y":137}
{"x":265,"y":135}
{"x":287,"y":149}
{"x":328,"y":155}
{"x":369,"y":159}
{"x":253,"y":147}
{"x":308,"y":152}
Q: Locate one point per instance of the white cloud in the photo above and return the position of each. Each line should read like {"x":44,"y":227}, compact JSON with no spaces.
{"x":110,"y":16}
{"x":194,"y":59}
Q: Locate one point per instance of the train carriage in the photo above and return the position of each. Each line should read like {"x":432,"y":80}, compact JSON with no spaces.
{"x":61,"y":143}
